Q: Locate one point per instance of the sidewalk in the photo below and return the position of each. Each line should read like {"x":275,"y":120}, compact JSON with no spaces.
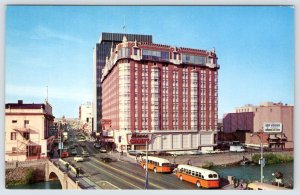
{"x":125,"y":157}
{"x":84,"y":182}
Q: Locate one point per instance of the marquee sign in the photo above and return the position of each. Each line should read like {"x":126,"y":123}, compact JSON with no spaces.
{"x":137,"y":138}
{"x":272,"y":127}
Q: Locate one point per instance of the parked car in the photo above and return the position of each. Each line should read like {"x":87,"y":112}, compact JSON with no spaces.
{"x":74,"y":152}
{"x":64,"y":154}
{"x":103,"y":150}
{"x":78,"y":158}
{"x":238,"y":148}
{"x":85,"y":154}
{"x":97,"y":145}
{"x":106,"y":160}
{"x":134,"y":152}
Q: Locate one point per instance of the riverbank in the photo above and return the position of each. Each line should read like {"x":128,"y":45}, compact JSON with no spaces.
{"x":49,"y":185}
{"x":221,"y":159}
{"x":24,"y":175}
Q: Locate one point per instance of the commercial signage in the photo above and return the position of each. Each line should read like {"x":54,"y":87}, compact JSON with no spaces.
{"x":106,"y":124}
{"x":138,"y":138}
{"x":60,"y":145}
{"x":272,"y":127}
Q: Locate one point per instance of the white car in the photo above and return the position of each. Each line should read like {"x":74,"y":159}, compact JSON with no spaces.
{"x":78,"y":158}
{"x":85,"y":154}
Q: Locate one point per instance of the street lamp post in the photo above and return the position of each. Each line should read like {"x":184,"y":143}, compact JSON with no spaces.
{"x":146,"y":183}
{"x":147,"y":142}
{"x":261,"y":160}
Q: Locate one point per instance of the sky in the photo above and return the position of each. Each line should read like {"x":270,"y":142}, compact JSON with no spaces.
{"x":53,"y":46}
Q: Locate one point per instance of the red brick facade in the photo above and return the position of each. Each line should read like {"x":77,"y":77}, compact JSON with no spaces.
{"x":148,"y":86}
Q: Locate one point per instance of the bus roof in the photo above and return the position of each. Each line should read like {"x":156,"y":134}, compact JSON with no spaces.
{"x":157,"y":159}
{"x":197,"y":169}
{"x":264,"y":186}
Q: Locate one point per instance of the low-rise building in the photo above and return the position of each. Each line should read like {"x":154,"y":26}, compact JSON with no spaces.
{"x":27,"y":130}
{"x":251,"y":119}
{"x":86,"y":116}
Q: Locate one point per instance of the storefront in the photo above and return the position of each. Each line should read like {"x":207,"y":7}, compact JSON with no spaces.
{"x":164,"y":140}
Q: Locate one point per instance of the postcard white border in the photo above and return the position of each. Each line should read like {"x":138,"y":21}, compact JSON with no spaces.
{"x":148,"y":2}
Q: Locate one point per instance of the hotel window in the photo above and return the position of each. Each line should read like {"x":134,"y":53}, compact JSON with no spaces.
{"x":175,"y":56}
{"x":135,"y":51}
{"x":124,"y":52}
{"x":13,"y":136}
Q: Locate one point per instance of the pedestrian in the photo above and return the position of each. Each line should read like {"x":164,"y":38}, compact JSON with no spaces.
{"x":122,"y":152}
{"x":136,"y":158}
{"x":77,"y":172}
{"x":242,"y":185}
{"x":67,"y":165}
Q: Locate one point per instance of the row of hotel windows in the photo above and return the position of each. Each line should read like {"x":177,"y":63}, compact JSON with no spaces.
{"x":162,"y":55}
{"x":124,"y":73}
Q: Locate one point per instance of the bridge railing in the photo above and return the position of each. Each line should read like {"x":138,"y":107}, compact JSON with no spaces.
{"x":26,"y":163}
{"x":61,"y":165}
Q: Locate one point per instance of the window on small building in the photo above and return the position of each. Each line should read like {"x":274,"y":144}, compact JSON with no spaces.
{"x":14,"y":149}
{"x":14,"y":121}
{"x":26,"y":135}
{"x":13,"y":136}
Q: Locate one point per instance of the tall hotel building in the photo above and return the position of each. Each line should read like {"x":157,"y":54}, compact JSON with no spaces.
{"x":168,"y":94}
{"x":101,"y":51}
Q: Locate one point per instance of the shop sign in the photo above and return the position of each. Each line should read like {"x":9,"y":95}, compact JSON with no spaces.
{"x":138,"y":138}
{"x":272,"y":127}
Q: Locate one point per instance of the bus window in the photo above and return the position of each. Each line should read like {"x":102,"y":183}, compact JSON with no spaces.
{"x":165,"y":164}
{"x":181,"y":170}
{"x":193,"y":173}
{"x":189,"y":172}
{"x":210,"y":176}
{"x":197,"y":174}
{"x":215,"y":175}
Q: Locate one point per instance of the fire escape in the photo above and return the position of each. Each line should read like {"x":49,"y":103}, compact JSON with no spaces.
{"x":24,"y":141}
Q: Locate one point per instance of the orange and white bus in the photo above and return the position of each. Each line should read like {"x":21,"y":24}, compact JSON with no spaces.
{"x":156,"y":164}
{"x":201,"y":177}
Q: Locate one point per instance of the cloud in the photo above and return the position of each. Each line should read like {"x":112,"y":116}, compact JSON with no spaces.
{"x":42,"y":32}
{"x":70,"y":94}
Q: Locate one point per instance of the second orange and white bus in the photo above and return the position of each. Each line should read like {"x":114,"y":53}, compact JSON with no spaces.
{"x":156,"y":164}
{"x":201,"y":177}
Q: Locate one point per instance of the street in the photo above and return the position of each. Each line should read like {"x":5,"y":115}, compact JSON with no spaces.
{"x":120,"y":174}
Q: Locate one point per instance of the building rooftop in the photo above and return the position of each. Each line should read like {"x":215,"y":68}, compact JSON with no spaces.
{"x":20,"y":105}
{"x":105,"y":36}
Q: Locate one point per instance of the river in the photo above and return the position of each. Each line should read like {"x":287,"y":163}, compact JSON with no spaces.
{"x":252,"y":172}
{"x":246,"y":172}
{"x":40,"y":185}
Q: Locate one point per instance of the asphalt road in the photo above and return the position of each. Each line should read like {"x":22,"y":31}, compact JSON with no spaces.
{"x":121,"y":174}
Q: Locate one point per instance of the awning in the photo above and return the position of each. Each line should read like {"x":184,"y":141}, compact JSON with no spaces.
{"x":21,"y":129}
{"x":273,"y":136}
{"x":281,"y":136}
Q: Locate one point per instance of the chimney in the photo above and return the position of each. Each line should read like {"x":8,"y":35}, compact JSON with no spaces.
{"x":20,"y":101}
